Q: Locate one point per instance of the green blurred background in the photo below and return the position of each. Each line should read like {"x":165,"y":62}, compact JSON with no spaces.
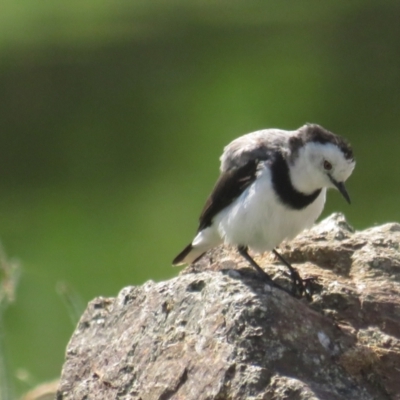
{"x":114,"y":113}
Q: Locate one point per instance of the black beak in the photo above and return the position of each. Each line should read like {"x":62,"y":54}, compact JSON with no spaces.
{"x":342,"y":189}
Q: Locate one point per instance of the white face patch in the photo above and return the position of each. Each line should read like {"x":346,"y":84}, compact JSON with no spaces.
{"x":308,"y":172}
{"x":341,"y":167}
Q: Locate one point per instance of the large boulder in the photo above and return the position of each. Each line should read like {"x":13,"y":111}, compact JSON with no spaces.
{"x":219,"y":332}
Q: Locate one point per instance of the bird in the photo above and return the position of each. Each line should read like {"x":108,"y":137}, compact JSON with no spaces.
{"x":272,"y":186}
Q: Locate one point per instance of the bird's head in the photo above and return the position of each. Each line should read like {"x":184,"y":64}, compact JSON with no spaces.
{"x":319,"y":159}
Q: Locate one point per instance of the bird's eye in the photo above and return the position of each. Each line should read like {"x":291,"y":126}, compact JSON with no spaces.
{"x":327,"y":165}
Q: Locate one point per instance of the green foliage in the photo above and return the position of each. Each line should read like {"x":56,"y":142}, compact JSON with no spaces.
{"x":9,"y":275}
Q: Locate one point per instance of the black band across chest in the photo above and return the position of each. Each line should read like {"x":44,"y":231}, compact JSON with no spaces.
{"x":284,"y":188}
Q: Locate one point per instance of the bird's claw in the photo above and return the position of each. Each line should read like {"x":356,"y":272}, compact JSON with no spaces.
{"x":302,"y":286}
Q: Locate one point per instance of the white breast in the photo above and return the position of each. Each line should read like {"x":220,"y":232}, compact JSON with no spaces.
{"x":258,"y":219}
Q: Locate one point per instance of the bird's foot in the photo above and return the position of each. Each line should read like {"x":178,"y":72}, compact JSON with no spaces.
{"x":302,"y":286}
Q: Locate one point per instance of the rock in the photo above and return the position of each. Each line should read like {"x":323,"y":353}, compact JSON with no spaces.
{"x":218,"y":332}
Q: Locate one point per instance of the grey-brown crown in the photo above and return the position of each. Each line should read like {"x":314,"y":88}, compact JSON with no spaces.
{"x":316,"y":133}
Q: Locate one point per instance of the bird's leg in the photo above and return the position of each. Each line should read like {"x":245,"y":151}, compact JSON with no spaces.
{"x":300,"y":285}
{"x":243,"y":252}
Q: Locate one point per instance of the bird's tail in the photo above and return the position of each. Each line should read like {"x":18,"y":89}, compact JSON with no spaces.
{"x":189,"y":255}
{"x":205,"y":240}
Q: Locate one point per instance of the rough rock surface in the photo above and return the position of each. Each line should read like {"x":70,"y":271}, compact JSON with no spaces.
{"x":218,"y":332}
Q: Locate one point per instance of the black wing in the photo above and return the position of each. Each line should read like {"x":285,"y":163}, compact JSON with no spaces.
{"x":230,"y":185}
